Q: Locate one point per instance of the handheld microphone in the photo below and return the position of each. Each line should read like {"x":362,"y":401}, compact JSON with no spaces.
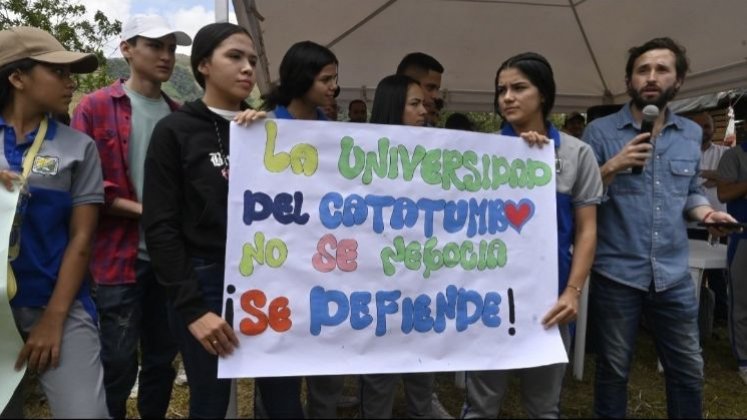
{"x":650,"y":114}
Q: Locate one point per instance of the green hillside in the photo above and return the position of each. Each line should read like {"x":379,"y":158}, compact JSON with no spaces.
{"x":181,"y":86}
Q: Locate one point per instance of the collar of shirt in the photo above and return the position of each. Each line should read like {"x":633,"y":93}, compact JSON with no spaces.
{"x":552,"y":132}
{"x":626,"y":118}
{"x":14,"y":151}
{"x":117,"y":88}
{"x":10,"y":133}
{"x":282,"y":113}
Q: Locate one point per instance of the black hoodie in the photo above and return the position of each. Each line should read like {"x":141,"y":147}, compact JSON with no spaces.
{"x":185,"y":201}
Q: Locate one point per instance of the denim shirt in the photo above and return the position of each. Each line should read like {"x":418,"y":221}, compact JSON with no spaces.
{"x":641,"y":225}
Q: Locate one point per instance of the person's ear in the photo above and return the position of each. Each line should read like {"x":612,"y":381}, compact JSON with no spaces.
{"x":18,"y":80}
{"x":678,"y":85}
{"x":126,"y":49}
{"x":204,"y":67}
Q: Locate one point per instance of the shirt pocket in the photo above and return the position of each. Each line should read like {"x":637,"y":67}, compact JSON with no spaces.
{"x":681,"y":173}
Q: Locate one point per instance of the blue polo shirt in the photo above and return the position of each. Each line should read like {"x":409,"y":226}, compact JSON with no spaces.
{"x":65,"y":173}
{"x":280,"y":112}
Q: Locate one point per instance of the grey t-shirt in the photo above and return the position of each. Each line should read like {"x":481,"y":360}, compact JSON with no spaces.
{"x":733,"y":165}
{"x":146,"y":112}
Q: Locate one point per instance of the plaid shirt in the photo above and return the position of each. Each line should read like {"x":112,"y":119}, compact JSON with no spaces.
{"x":105,"y":116}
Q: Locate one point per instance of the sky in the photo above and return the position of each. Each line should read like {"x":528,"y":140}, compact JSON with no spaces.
{"x":184,"y":15}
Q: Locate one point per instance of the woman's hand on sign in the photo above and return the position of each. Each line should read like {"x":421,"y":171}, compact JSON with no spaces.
{"x":42,"y":347}
{"x":248,"y":116}
{"x":533,"y":138}
{"x":215,"y":335}
{"x":9,"y":178}
{"x":564,"y":311}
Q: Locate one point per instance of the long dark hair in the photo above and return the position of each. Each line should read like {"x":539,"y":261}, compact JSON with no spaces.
{"x":6,"y":89}
{"x":207,"y":40}
{"x":390,"y":99}
{"x":300,"y":65}
{"x":538,"y":70}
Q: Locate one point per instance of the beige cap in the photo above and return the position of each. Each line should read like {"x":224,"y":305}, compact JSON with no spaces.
{"x":27,"y":42}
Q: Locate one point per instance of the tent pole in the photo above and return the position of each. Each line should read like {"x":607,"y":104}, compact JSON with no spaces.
{"x":221,"y":10}
{"x":249,"y":18}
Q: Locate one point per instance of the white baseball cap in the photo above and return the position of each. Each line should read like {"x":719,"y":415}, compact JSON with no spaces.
{"x":151,"y":26}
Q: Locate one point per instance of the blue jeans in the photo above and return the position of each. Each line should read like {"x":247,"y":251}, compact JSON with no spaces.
{"x":130,"y":314}
{"x":209,"y":395}
{"x":673,"y":317}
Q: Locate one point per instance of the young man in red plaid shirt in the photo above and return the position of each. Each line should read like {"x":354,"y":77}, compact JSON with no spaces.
{"x":131,"y":303}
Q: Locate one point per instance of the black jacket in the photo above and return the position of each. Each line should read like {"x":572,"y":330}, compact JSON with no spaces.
{"x":185,"y":201}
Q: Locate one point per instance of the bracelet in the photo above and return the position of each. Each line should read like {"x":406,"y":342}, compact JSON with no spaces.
{"x":577,"y":289}
{"x":708,"y":215}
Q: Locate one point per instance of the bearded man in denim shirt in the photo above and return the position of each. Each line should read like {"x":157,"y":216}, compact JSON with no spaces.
{"x":641,"y":265}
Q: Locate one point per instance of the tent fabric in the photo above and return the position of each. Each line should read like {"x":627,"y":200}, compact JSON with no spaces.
{"x":706,"y":102}
{"x":586,"y":41}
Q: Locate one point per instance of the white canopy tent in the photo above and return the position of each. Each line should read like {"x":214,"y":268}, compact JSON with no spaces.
{"x":586,"y":41}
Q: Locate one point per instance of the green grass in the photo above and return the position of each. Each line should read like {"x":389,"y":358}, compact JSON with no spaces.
{"x":724,"y":392}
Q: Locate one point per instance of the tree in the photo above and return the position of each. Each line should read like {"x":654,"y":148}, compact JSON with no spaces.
{"x":65,"y":19}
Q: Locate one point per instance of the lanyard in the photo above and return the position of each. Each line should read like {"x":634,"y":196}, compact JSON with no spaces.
{"x":28,"y":163}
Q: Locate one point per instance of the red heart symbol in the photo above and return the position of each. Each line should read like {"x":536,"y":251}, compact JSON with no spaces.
{"x":519,"y":214}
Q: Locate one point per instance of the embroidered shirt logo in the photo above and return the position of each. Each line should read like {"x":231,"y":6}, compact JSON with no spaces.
{"x":216,"y":159}
{"x":46,"y":165}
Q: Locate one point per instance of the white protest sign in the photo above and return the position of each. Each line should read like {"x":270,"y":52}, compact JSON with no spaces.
{"x":11,"y":342}
{"x":363,"y":248}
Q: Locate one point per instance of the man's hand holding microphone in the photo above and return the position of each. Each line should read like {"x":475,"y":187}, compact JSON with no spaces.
{"x":635,"y":154}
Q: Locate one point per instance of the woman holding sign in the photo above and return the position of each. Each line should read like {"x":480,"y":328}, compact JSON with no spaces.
{"x":524,"y":96}
{"x":398,"y":100}
{"x":59,"y":175}
{"x":308,"y":84}
{"x":185,"y":216}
